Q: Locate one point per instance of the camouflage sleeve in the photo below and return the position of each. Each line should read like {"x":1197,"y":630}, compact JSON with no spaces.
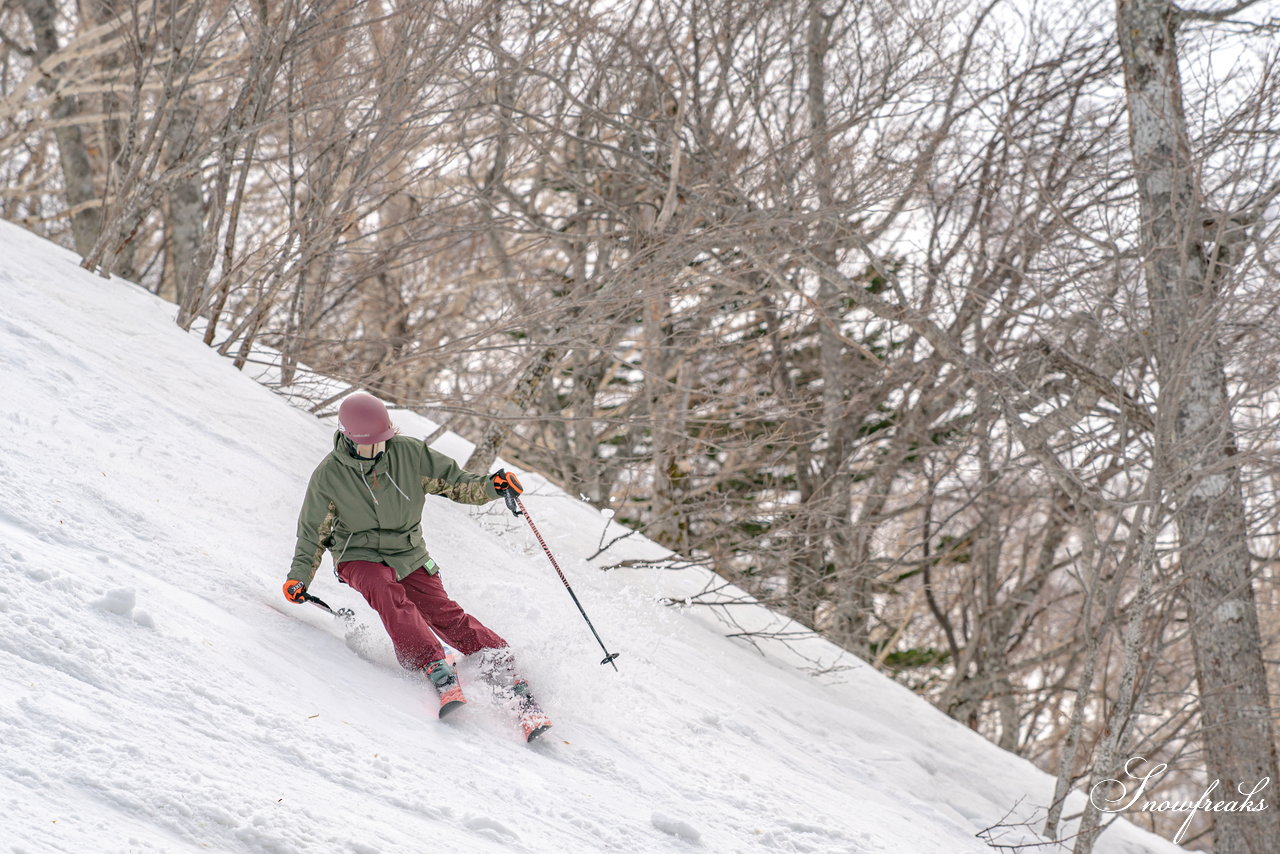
{"x":442,"y":476}
{"x":315,"y":524}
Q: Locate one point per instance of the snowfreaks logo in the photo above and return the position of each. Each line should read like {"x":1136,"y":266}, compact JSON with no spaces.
{"x":1205,"y":802}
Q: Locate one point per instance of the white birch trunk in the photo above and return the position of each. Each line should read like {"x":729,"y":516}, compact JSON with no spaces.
{"x":1235,"y":707}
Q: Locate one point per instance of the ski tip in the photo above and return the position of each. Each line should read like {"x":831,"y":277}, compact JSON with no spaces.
{"x":451,"y":706}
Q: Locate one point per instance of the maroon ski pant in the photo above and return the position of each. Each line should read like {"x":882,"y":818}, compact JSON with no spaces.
{"x":415,"y":610}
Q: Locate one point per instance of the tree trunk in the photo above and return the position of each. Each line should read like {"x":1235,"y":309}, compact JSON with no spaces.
{"x":1234,"y":703}
{"x":663,"y":525}
{"x":845,"y":549}
{"x":77,"y":173}
{"x":186,"y":202}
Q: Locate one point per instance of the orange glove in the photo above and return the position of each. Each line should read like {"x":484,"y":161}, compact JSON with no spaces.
{"x":503,"y":481}
{"x":295,"y":591}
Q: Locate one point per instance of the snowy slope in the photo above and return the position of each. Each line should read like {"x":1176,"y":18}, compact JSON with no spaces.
{"x":158,"y":694}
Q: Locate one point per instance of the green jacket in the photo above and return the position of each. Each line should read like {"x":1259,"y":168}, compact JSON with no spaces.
{"x":362,"y":510}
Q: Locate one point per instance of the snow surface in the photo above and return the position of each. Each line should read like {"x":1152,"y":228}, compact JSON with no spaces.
{"x":157,"y":694}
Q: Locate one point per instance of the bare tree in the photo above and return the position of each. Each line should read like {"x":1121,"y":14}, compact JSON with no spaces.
{"x":83,"y":200}
{"x":1185,"y":298}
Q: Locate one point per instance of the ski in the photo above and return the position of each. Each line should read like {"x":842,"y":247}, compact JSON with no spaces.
{"x":451,"y":701}
{"x":449,"y":686}
{"x":532,"y":719}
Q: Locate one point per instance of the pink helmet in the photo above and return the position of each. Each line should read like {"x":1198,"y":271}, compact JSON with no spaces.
{"x":364,"y":420}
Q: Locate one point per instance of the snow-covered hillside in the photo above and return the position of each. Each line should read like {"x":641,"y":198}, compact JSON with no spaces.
{"x":158,"y":694}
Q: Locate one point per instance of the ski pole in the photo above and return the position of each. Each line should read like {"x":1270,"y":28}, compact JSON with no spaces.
{"x":344,"y":614}
{"x":516,"y":506}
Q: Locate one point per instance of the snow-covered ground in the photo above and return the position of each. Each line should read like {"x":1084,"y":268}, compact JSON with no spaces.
{"x":158,"y":694}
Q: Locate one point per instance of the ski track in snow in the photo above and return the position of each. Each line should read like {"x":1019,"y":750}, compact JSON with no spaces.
{"x":157,"y":694}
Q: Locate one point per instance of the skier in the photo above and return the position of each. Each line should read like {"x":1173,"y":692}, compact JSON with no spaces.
{"x":364,"y":503}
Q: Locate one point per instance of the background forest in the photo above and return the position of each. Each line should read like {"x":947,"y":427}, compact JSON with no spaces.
{"x":948,"y":329}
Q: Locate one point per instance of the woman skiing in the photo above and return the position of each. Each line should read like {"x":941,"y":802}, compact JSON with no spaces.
{"x":364,"y":503}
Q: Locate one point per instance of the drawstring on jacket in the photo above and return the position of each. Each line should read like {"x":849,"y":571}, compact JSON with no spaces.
{"x":396,"y":485}
{"x":367,"y":486}
{"x":375,"y":480}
